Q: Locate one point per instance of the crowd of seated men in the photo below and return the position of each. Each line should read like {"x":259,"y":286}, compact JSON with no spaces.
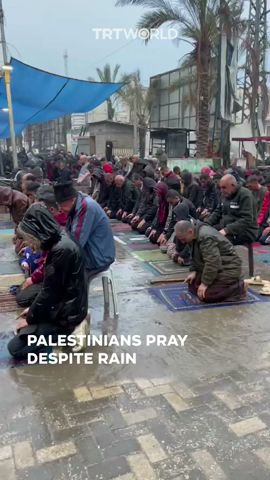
{"x":153,"y":200}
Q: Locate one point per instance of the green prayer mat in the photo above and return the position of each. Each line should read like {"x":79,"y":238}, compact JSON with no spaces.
{"x":149,"y":256}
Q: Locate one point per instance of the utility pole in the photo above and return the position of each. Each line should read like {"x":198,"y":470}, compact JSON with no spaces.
{"x":3,"y":36}
{"x":135,"y":122}
{"x":5,"y":60}
{"x":6,"y":68}
{"x":66,"y":117}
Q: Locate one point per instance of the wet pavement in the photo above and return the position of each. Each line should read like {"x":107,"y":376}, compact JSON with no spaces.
{"x":198,"y":412}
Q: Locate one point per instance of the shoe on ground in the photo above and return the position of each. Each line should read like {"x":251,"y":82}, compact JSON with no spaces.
{"x":82,"y":329}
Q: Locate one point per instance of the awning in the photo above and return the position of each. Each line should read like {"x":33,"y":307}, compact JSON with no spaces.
{"x":251,"y":139}
{"x":39,"y":96}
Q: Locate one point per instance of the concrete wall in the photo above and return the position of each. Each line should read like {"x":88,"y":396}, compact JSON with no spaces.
{"x":120,"y":135}
{"x":193,"y":165}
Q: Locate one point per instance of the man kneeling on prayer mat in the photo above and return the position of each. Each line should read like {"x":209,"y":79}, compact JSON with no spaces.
{"x":216,"y":267}
{"x":61,"y":305}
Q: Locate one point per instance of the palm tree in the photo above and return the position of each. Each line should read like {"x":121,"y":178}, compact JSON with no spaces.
{"x":138,"y":97}
{"x":196,"y":21}
{"x":108,"y":76}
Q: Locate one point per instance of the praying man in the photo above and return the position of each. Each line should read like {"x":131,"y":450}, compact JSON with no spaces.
{"x":215,"y":272}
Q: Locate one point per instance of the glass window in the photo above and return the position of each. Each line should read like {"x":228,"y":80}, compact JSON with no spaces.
{"x":173,"y":110}
{"x":186,"y":122}
{"x":174,"y":76}
{"x":174,"y":96}
{"x":164,"y":81}
{"x":177,"y":143}
{"x":173,"y":123}
{"x":192,"y":124}
{"x":164,"y":97}
{"x":164,"y":112}
{"x":164,"y":124}
{"x":154,"y":114}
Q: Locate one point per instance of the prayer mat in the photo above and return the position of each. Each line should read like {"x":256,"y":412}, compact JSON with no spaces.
{"x":126,"y":236}
{"x":7,"y":281}
{"x":168,"y":266}
{"x":166,"y":279}
{"x":8,"y":302}
{"x":151,"y":256}
{"x":9,"y":268}
{"x":142,"y":246}
{"x":139,"y":239}
{"x":119,"y":240}
{"x":8,"y":254}
{"x":263,"y":258}
{"x":7,"y":231}
{"x":122,"y":227}
{"x":179,"y":299}
{"x":4,"y":224}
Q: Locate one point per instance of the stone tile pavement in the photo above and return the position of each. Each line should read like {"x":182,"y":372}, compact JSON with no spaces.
{"x":215,"y":429}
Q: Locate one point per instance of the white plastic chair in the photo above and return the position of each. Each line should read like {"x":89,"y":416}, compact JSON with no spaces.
{"x":107,"y":282}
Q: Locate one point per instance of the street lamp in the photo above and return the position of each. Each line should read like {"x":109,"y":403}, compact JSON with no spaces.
{"x":7,"y":69}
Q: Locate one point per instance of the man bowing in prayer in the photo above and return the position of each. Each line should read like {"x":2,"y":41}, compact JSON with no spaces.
{"x":215,"y":272}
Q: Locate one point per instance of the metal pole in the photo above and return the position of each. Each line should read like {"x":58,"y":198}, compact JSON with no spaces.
{"x":3,"y":36}
{"x":11,"y":118}
{"x":65,"y":118}
{"x":135,"y":124}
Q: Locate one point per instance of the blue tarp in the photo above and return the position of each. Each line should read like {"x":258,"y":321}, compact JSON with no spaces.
{"x":39,"y":96}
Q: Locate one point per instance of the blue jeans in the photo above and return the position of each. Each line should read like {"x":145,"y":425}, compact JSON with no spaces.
{"x":18,"y":347}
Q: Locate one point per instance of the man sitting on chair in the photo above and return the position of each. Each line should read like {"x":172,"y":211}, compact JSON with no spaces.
{"x":89,"y":225}
{"x":236,"y":216}
{"x":216,"y":267}
{"x":61,"y":304}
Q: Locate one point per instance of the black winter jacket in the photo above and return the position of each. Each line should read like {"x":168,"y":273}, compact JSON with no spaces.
{"x":128,"y":197}
{"x":184,"y":210}
{"x":114,"y":203}
{"x":210,"y":198}
{"x":148,"y":205}
{"x":237,"y":215}
{"x":63,"y":296}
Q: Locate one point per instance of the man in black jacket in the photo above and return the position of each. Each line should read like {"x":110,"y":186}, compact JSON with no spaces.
{"x":138,"y":167}
{"x":61,"y":304}
{"x":138,"y":182}
{"x":182,"y":209}
{"x":209,"y":197}
{"x":192,"y":191}
{"x":147,"y":208}
{"x":128,"y":196}
{"x":105,"y":190}
{"x":63,"y":173}
{"x":236,"y":216}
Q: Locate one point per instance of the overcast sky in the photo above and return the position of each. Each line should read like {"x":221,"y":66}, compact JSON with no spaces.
{"x":38,"y":32}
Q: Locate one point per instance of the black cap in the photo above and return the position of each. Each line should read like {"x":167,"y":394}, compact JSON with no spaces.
{"x":64,"y":192}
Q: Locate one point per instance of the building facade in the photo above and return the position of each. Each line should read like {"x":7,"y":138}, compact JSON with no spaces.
{"x":173,"y":114}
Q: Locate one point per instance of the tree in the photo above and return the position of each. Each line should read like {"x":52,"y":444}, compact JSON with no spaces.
{"x":140,"y":100}
{"x":196,"y":21}
{"x":108,"y":76}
